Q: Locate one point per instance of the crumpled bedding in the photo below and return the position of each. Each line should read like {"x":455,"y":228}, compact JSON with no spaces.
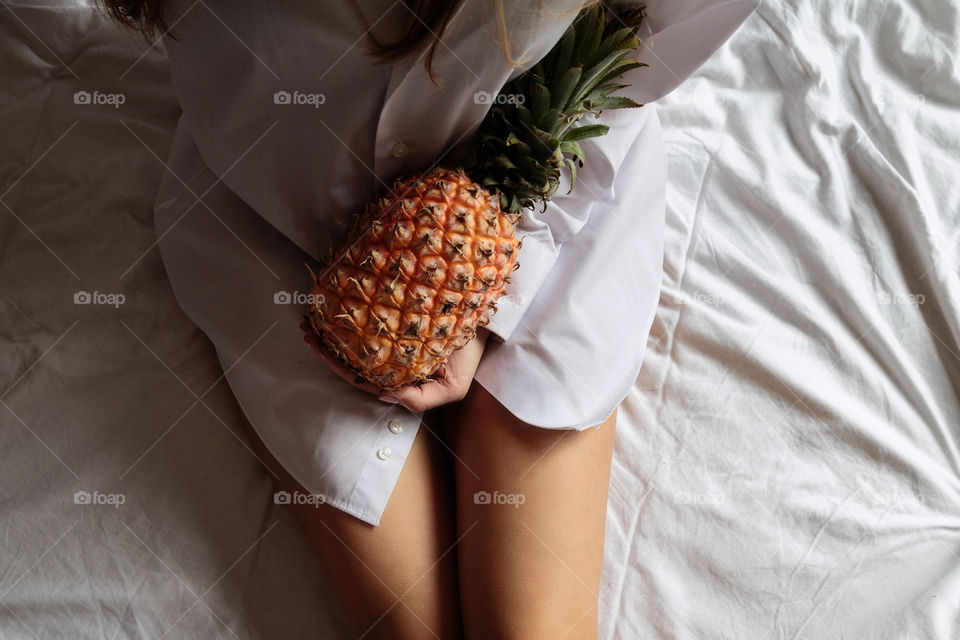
{"x":786,"y":465}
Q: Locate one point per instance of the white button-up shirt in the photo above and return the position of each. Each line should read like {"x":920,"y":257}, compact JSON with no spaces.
{"x":288,"y":127}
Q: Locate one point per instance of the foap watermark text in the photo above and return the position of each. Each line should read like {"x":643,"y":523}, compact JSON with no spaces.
{"x":99,"y":297}
{"x":485,"y":497}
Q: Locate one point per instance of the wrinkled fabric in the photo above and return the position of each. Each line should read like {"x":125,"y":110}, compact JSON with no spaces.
{"x":288,"y":127}
{"x":785,"y":465}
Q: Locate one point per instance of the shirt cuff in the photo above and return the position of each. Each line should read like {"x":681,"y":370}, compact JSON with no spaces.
{"x":536,"y":259}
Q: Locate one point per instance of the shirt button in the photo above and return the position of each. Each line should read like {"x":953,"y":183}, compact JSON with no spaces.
{"x":395,"y":426}
{"x":384,"y":453}
{"x":399,"y":150}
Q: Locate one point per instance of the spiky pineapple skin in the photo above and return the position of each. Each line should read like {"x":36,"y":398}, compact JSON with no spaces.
{"x":421,"y":270}
{"x":424,"y":266}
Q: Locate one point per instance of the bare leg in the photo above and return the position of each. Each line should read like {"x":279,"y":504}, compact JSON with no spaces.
{"x":530,"y":571}
{"x":398,"y":580}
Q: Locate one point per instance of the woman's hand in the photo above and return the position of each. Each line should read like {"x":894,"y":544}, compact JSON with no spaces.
{"x":450,"y":385}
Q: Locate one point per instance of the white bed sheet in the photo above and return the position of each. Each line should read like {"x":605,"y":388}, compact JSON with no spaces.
{"x":786,"y":466}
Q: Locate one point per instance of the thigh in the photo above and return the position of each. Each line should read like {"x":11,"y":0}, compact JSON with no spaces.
{"x":531,"y":507}
{"x":399,"y":579}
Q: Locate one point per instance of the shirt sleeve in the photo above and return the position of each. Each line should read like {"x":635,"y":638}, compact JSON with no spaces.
{"x":676,"y":39}
{"x":544,"y":232}
{"x":538,"y":253}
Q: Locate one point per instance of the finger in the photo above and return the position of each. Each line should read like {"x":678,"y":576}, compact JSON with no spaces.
{"x":311,"y":338}
{"x":342,"y":372}
{"x":425,"y":397}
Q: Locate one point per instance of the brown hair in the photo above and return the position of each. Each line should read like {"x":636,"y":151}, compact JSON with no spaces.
{"x":428,"y":19}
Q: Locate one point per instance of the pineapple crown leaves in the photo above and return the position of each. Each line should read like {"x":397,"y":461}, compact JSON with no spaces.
{"x":532,"y":130}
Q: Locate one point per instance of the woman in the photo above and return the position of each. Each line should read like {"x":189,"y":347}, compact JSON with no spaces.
{"x":483,"y":517}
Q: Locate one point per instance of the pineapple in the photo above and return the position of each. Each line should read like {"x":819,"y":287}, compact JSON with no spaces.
{"x":424,"y":265}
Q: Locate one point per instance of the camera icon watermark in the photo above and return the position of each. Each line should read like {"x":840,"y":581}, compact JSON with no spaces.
{"x":298,"y":297}
{"x":87,"y":98}
{"x":699,"y":498}
{"x":97,"y":297}
{"x":485,"y":97}
{"x":710,"y":299}
{"x":903,"y":100}
{"x":97,"y":498}
{"x":909,"y":299}
{"x":297,"y":497}
{"x":485,"y":497}
{"x":312,"y":99}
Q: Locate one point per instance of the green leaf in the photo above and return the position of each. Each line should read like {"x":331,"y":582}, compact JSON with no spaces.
{"x":589,"y":31}
{"x":525,"y":149}
{"x":524,"y":116}
{"x":603,"y":90}
{"x":549,"y":120}
{"x":618,"y":71}
{"x":549,"y":193}
{"x":573,"y":173}
{"x":564,"y":51}
{"x":573,"y":148}
{"x":565,"y":87}
{"x":586,"y":131}
{"x":521,"y":148}
{"x":540,"y":102}
{"x":593,"y":75}
{"x":615,"y":102}
{"x":620,"y":40}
